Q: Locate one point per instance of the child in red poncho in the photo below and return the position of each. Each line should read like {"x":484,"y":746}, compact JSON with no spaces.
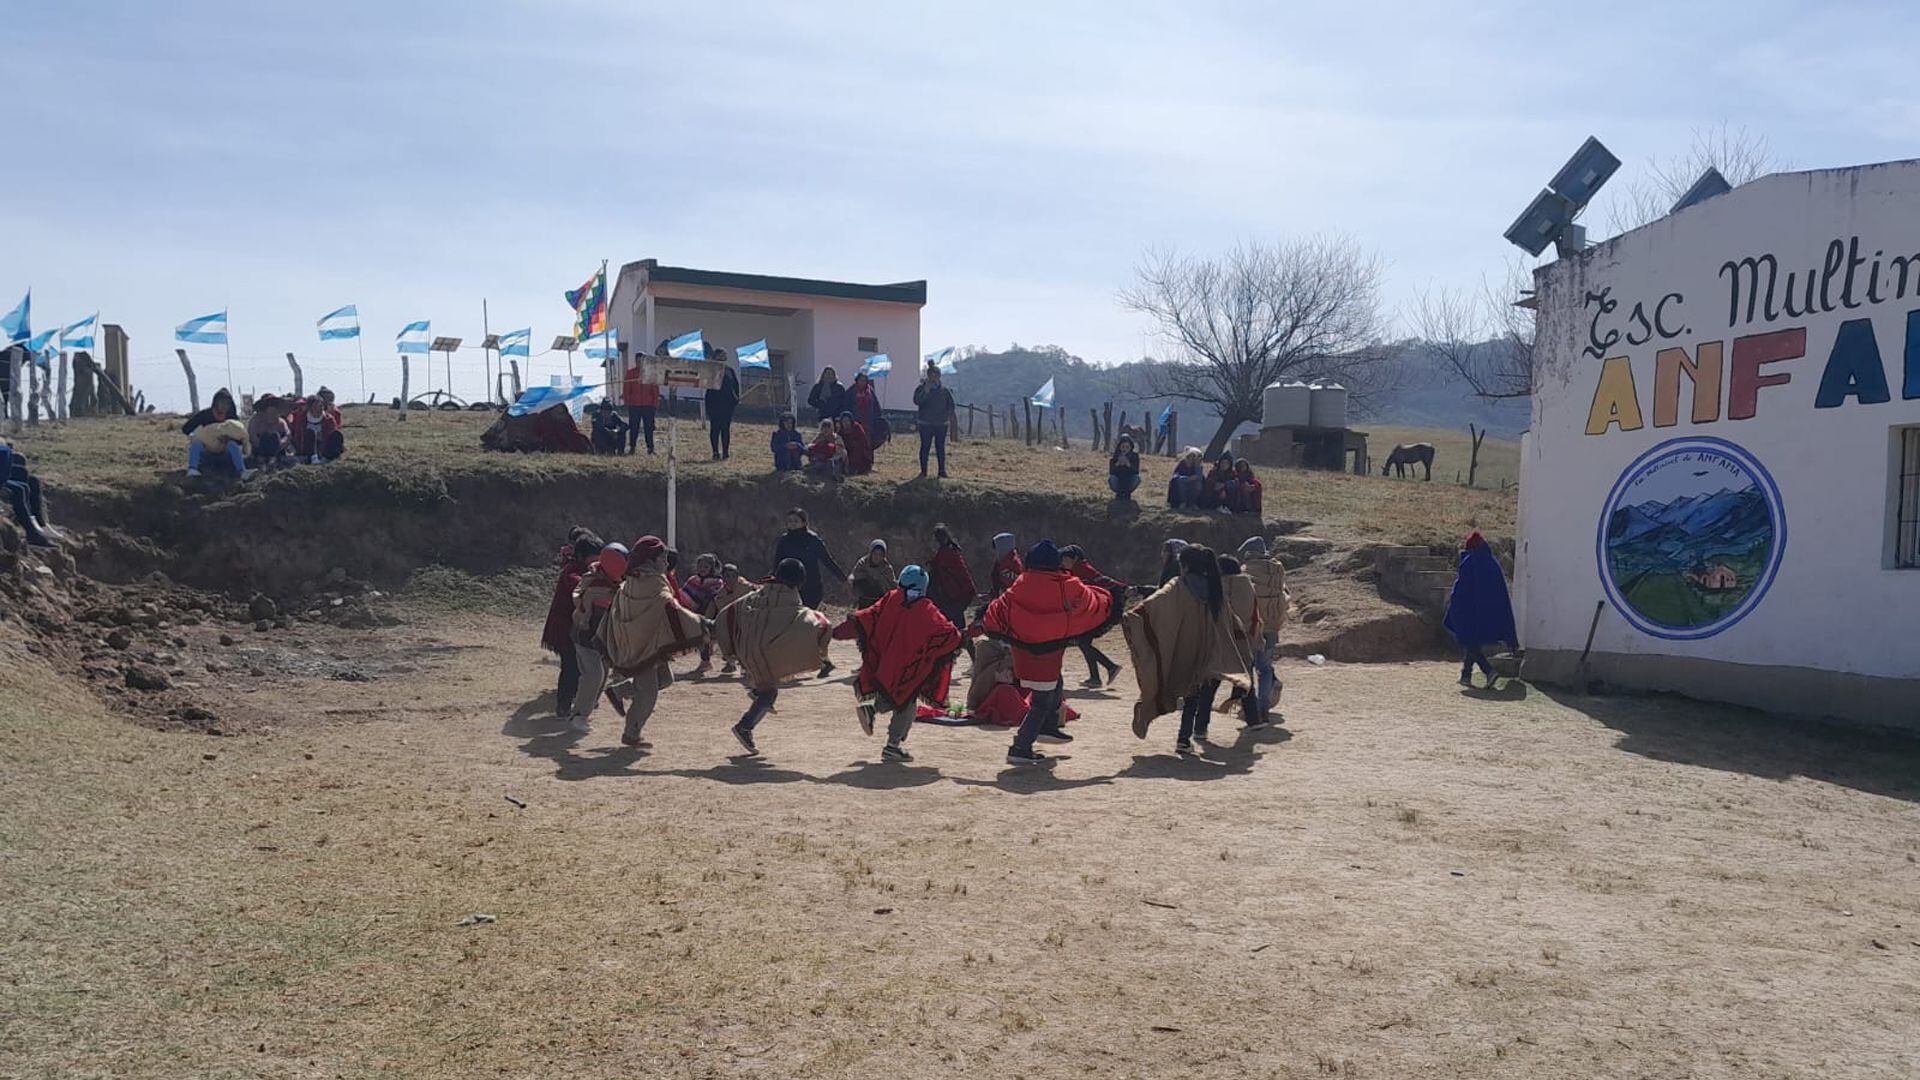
{"x":1039,"y":615}
{"x":556,"y":635}
{"x":698,"y":593}
{"x":853,"y":435}
{"x":906,"y":656}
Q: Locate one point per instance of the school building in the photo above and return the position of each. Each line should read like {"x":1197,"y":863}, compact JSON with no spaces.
{"x":808,"y":324}
{"x":1721,"y":486}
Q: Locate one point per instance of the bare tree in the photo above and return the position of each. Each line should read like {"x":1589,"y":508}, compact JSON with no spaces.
{"x":1243,"y":321}
{"x":1484,"y":338}
{"x":1739,"y":154}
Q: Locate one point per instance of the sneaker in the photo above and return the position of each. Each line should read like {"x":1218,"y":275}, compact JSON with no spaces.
{"x":1091,"y":682}
{"x":1258,"y":723}
{"x":1113,"y":672}
{"x":248,"y":474}
{"x":923,"y":474}
{"x":635,"y":742}
{"x":826,"y":669}
{"x":580,"y":724}
{"x":943,"y":474}
{"x":193,"y":472}
{"x":865,"y":711}
{"x":745,"y":738}
{"x":1055,"y":734}
{"x":727,"y":668}
{"x":1017,"y":756}
{"x":1200,"y":735}
{"x":894,"y":752}
{"x":1184,"y":748}
{"x":1466,"y":679}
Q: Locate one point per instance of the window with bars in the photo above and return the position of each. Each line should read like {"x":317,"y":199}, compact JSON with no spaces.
{"x":1906,"y":548}
{"x":869,"y":344}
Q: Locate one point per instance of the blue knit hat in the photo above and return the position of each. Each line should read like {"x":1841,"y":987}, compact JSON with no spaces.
{"x":914,"y":581}
{"x":1043,"y":556}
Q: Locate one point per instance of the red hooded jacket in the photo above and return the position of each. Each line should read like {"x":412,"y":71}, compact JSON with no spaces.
{"x":1040,"y":614}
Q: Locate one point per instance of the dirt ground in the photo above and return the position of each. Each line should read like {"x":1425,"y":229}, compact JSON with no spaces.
{"x":1408,"y":881}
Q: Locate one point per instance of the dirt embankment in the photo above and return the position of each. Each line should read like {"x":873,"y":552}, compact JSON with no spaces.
{"x":311,"y":530}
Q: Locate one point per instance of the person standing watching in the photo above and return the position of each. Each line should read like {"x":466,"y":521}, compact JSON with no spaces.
{"x":934,"y":403}
{"x":721,"y":402}
{"x":643,"y":405}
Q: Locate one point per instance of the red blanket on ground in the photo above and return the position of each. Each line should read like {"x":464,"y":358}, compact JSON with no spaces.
{"x":1005,"y":706}
{"x":906,"y":650}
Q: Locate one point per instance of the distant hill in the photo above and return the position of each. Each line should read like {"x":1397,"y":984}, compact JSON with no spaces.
{"x":1426,"y":396}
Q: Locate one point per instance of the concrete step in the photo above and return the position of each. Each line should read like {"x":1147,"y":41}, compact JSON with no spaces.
{"x":1428,"y":562}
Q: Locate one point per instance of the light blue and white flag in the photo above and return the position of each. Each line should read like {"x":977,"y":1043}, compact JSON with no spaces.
{"x":340,"y":323}
{"x":16,"y":325}
{"x":754,"y":356}
{"x":205,"y":330}
{"x":415,"y":337}
{"x":1043,"y":397}
{"x":1166,"y":419}
{"x":688,"y":346}
{"x":80,"y":334}
{"x":540,"y":398}
{"x":42,"y":348}
{"x":942,"y":359}
{"x":877,"y":364}
{"x":516,"y":342}
{"x":602,"y":346}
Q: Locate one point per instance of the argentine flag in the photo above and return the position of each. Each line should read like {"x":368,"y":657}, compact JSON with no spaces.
{"x":80,"y":334}
{"x":539,"y":398}
{"x":340,"y":323}
{"x":877,"y":364}
{"x":516,"y":342}
{"x":601,"y":346}
{"x":1043,"y":397}
{"x":205,"y":330}
{"x":15,"y":325}
{"x":754,"y":356}
{"x":1166,"y":419}
{"x":415,"y":337}
{"x":942,"y":359}
{"x":688,"y":346}
{"x":42,"y":348}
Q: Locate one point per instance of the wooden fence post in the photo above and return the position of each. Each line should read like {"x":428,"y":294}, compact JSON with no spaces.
{"x":299,"y":384}
{"x":15,"y":393}
{"x":34,"y":391}
{"x":1095,"y":413}
{"x":1064,"y":445}
{"x":1028,"y":428}
{"x":990,"y":425}
{"x":193,"y":385}
{"x":1173,"y":431}
{"x":60,"y":402}
{"x":406,"y":398}
{"x":515,"y":364}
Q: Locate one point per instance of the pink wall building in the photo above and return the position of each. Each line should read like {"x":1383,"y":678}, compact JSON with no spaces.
{"x":808,"y":324}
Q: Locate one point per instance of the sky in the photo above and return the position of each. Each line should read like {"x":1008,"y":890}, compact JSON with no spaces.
{"x":416,"y":157}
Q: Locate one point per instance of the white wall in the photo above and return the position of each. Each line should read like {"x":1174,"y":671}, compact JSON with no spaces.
{"x":1835,"y":602}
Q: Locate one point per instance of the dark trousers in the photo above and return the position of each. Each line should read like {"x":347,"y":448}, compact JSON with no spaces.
{"x":933,"y":438}
{"x":762,"y":702}
{"x":1472,"y":655}
{"x":24,"y":485}
{"x":1196,"y":710}
{"x":1043,"y":714}
{"x":569,"y":680}
{"x":639,"y":418}
{"x":720,"y":433}
{"x":810,"y":593}
{"x":268,"y":449}
{"x":1095,"y":659}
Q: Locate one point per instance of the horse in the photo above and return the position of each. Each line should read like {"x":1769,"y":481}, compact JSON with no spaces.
{"x":1406,"y":454}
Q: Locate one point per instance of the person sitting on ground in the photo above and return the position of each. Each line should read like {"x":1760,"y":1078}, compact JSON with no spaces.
{"x":609,"y":431}
{"x":1244,"y":492}
{"x":1479,"y":611}
{"x":267,"y":433}
{"x":316,"y":432}
{"x":828,"y":398}
{"x":775,"y":637}
{"x":872,"y":576}
{"x":698,"y":593}
{"x":789,"y":446}
{"x":1183,"y":490}
{"x":827,"y":456}
{"x":1123,"y":469}
{"x":1178,"y":640}
{"x":1074,"y":558}
{"x":26,"y":497}
{"x":1045,"y":610}
{"x":216,"y":429}
{"x":906,"y":657}
{"x":644,"y":629}
{"x":1213,"y":491}
{"x":333,"y":410}
{"x":859,"y":448}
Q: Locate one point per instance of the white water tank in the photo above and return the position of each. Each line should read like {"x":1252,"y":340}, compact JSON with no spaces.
{"x":1286,"y":405}
{"x":1328,"y":407}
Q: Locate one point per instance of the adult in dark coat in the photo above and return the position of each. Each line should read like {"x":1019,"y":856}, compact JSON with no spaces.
{"x":804,"y":545}
{"x":720,"y":406}
{"x":1479,"y":612}
{"x":828,"y":399}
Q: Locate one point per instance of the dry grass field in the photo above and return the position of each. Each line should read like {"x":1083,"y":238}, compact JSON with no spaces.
{"x":1408,"y":881}
{"x":120,"y":452}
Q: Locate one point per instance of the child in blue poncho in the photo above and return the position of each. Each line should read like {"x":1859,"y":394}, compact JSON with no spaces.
{"x":789,"y":448}
{"x":1479,"y":612}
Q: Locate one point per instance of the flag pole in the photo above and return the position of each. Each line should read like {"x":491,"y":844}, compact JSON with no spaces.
{"x":361,"y":346}
{"x":486,"y":362}
{"x":226,"y":342}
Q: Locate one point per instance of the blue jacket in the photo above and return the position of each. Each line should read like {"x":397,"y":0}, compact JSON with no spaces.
{"x":789,"y":449}
{"x":1479,"y":611}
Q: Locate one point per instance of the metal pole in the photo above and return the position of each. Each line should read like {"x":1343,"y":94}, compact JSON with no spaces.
{"x":361,"y":346}
{"x":486,"y":362}
{"x":673,"y":464}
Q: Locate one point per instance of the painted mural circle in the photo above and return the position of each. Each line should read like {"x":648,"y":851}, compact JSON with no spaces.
{"x":1691,"y":538}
